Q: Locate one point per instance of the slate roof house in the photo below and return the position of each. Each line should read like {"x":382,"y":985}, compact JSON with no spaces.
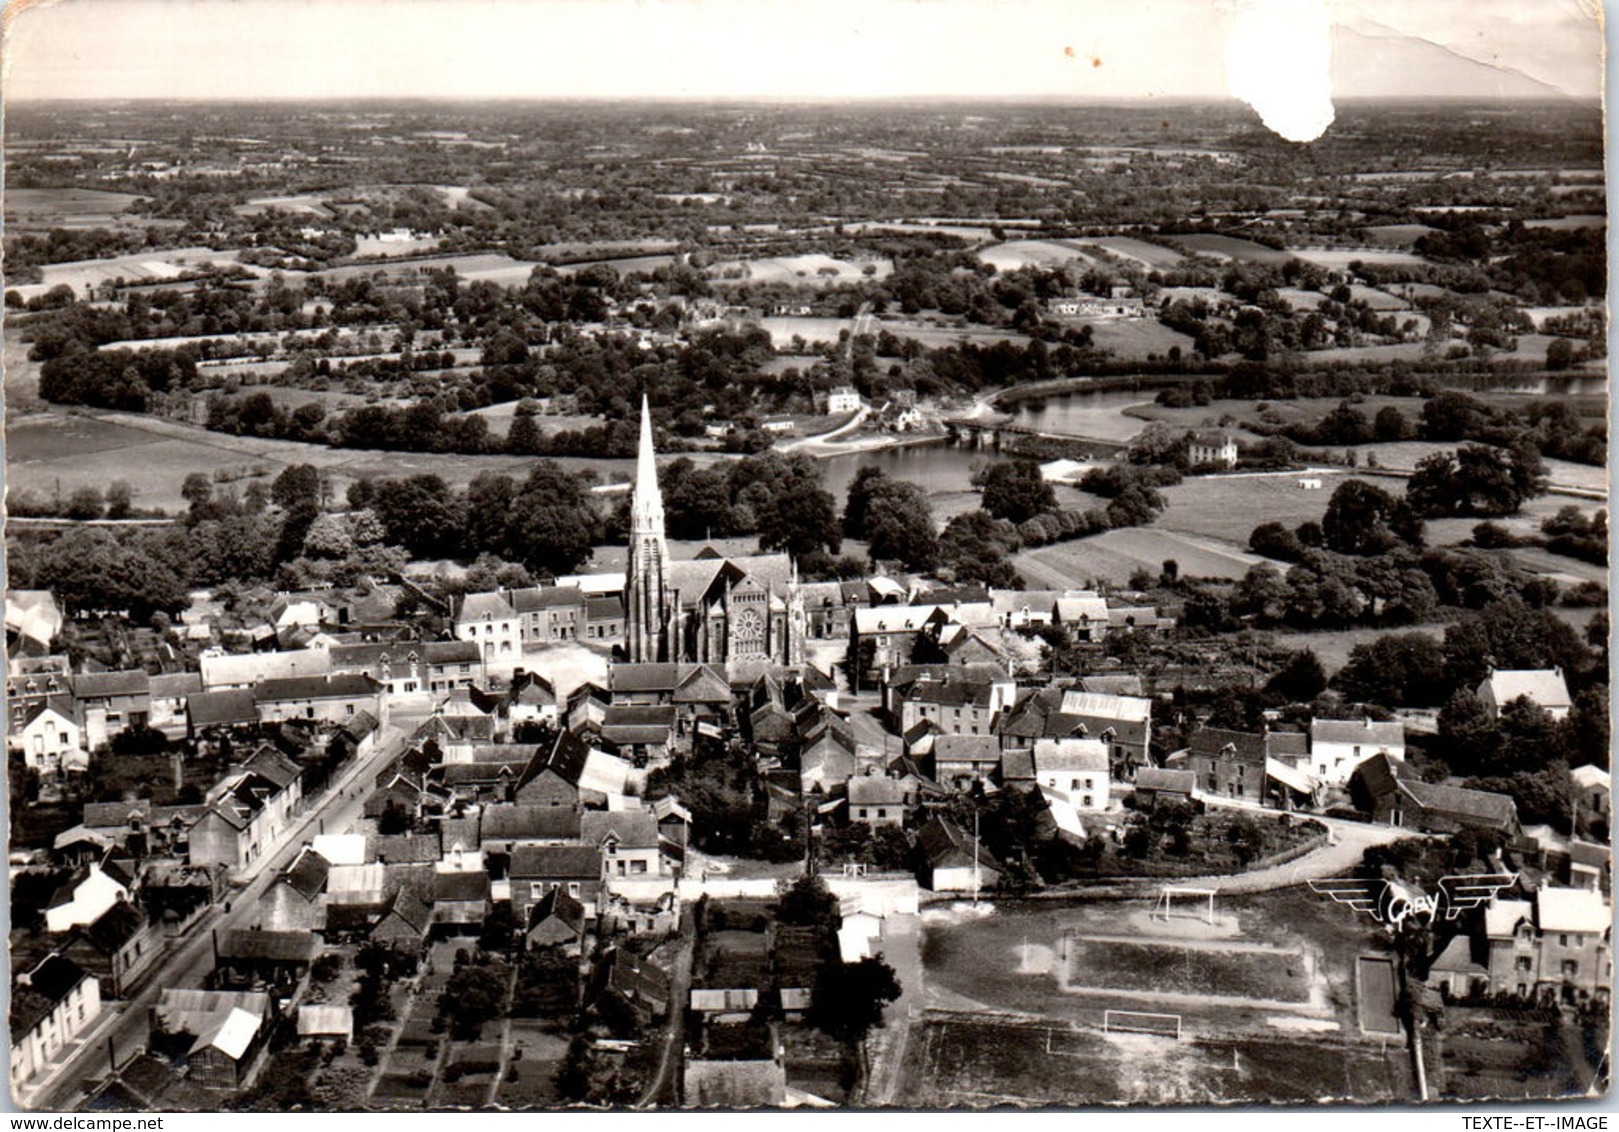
{"x":1378,"y":790}
{"x":538,"y":869}
{"x":50,"y":1006}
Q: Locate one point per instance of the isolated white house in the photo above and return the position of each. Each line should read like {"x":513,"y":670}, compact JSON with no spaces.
{"x":1545,"y":687}
{"x":843,"y":399}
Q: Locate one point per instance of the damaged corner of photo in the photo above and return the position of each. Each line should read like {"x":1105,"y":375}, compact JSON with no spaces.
{"x":1279,"y":61}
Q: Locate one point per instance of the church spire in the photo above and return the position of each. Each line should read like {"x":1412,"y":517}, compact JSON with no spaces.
{"x":646,"y":505}
{"x":646,"y":591}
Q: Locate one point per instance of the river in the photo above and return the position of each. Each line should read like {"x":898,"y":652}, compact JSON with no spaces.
{"x":944,"y":468}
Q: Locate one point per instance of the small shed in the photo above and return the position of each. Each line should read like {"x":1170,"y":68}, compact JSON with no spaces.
{"x":1154,"y":784}
{"x":326,"y":1020}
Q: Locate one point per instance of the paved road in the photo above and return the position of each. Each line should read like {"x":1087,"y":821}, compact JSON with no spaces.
{"x":127,"y":1024}
{"x":1347,"y":841}
{"x":828,"y":438}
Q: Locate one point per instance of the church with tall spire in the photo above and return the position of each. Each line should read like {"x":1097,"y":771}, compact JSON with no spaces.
{"x":706,"y":609}
{"x":646,"y":589}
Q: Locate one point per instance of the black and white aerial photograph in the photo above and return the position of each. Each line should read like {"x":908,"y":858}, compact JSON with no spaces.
{"x":656,"y":555}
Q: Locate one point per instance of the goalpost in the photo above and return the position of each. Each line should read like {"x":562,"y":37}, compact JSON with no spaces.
{"x":1166,"y":901}
{"x":1141,"y":1022}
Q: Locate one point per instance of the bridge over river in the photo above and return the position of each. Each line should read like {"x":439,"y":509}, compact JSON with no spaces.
{"x":989,"y":432}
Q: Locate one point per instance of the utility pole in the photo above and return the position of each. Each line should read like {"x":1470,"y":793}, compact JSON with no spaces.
{"x":975,"y":856}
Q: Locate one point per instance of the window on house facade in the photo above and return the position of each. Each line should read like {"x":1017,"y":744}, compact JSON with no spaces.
{"x":1524,"y":963}
{"x":1562,"y":939}
{"x":1571,"y":967}
{"x":637,"y":866}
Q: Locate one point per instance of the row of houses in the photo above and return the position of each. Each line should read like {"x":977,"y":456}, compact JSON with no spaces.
{"x":962,"y":625}
{"x":54,"y":718}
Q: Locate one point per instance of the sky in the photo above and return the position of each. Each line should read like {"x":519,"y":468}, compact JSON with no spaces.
{"x":1081,"y":49}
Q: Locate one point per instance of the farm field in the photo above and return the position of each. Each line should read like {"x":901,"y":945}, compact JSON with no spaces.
{"x":1299,"y":299}
{"x":137,"y":267}
{"x":802,"y":270}
{"x":1137,"y":337}
{"x":376,"y":333}
{"x":1231,"y":247}
{"x":1038,"y":253}
{"x":290,"y":398}
{"x":47,"y":453}
{"x":71,"y":208}
{"x":1142,"y":252}
{"x":500,"y":419}
{"x":1539,"y":315}
{"x":1403,"y":455}
{"x":781,"y":363}
{"x":1402,"y":235}
{"x":491,"y":266}
{"x":1377,"y":298}
{"x":1115,"y":555}
{"x":783,"y":329}
{"x":937,"y":336}
{"x":627,"y":266}
{"x":1332,"y":648}
{"x":1335,"y":259}
{"x":1300,"y":409}
{"x":21,"y":376}
{"x":1568,"y":223}
{"x":1566,"y":570}
{"x":369,"y":246}
{"x":154,"y":456}
{"x":308,"y":204}
{"x":1229,"y":507}
{"x":1398,"y":351}
{"x":966,"y":232}
{"x":604,"y":249}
